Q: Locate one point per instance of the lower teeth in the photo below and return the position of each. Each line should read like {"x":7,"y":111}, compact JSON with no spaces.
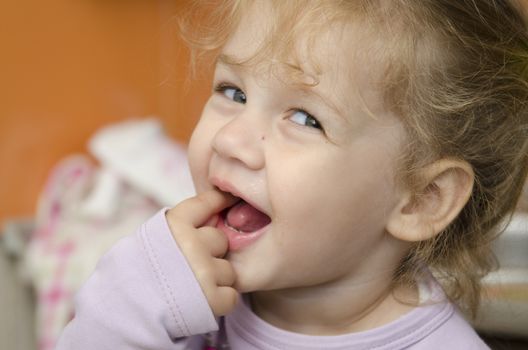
{"x":233,"y":228}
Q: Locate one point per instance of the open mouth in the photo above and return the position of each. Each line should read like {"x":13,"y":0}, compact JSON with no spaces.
{"x":244,"y":218}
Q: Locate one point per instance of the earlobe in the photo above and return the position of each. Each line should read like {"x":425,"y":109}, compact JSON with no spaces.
{"x":423,"y":215}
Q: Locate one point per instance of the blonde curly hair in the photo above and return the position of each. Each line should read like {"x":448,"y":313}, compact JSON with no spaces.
{"x":456,"y":73}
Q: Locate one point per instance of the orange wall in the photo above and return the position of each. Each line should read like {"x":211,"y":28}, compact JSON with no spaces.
{"x":68,"y":67}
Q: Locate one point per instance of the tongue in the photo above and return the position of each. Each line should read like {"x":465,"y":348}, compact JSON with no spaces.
{"x":246,"y":218}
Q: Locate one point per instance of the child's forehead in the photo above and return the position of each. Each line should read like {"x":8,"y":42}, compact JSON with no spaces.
{"x":341,"y":56}
{"x":260,"y":34}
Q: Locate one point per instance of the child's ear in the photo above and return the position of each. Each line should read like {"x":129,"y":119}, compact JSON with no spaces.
{"x":449,"y":184}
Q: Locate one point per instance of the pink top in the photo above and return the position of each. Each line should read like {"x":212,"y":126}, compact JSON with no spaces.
{"x":143,"y":295}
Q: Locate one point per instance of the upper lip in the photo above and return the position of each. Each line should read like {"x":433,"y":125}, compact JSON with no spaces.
{"x":226,"y":186}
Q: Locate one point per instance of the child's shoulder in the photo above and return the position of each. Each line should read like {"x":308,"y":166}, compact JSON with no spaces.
{"x":454,"y":333}
{"x":441,"y":324}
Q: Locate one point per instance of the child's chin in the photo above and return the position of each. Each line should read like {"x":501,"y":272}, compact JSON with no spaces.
{"x":249,"y":284}
{"x":253,"y":284}
{"x":245,"y":286}
{"x":251,"y":275}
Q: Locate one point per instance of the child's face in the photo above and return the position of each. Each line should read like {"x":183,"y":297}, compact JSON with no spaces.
{"x":328,"y":192}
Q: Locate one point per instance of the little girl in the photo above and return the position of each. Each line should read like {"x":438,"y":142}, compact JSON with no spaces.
{"x":353,"y":163}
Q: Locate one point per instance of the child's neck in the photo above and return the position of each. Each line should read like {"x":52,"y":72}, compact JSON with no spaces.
{"x":326,"y":310}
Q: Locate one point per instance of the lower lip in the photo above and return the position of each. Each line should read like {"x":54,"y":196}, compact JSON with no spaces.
{"x":237,"y":240}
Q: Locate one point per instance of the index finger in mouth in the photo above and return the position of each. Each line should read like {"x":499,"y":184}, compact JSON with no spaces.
{"x":198,"y":210}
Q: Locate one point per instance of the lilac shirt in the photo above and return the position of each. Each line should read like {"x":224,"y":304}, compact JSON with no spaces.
{"x":143,"y":295}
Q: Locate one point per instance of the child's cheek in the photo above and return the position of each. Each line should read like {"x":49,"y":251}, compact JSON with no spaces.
{"x":198,"y":160}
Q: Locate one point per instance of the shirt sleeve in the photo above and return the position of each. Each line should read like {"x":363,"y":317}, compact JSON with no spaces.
{"x":142,"y":295}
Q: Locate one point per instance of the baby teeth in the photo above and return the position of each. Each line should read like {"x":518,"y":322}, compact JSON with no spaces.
{"x":232,"y":228}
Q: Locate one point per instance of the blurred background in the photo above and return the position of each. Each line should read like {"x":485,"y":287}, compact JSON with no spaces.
{"x":68,"y":67}
{"x":96,"y":106}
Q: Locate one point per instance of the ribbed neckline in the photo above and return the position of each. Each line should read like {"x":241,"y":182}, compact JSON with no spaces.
{"x":244,"y":325}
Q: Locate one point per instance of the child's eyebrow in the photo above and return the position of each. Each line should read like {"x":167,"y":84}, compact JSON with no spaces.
{"x":228,"y":60}
{"x":327,"y":101}
{"x":232,"y":61}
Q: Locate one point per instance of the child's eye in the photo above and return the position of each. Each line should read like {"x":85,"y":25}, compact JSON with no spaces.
{"x":232,"y":93}
{"x":305,"y":119}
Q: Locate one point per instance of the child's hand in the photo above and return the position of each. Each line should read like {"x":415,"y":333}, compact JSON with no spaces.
{"x":192,"y":223}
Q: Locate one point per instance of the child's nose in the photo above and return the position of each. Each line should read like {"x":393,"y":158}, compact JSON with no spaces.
{"x":241,"y":139}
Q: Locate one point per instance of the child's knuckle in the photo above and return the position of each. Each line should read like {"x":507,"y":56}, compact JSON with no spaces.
{"x":233,"y":298}
{"x":201,"y":272}
{"x":189,"y":246}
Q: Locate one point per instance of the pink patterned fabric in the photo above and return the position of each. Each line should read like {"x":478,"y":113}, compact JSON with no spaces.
{"x":67,"y":244}
{"x":84,"y":208}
